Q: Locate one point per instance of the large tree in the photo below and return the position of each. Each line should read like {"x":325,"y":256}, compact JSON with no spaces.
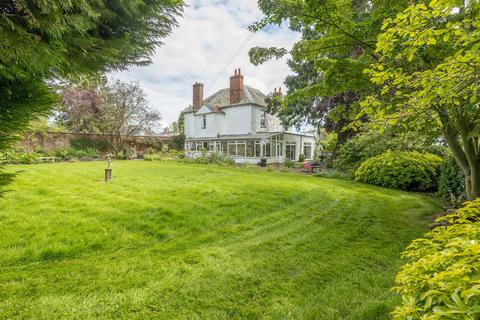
{"x":429,"y":75}
{"x":45,"y":40}
{"x":117,"y":111}
{"x":338,"y":43}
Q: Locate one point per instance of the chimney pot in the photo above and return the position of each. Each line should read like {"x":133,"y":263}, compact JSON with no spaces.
{"x":278,"y":93}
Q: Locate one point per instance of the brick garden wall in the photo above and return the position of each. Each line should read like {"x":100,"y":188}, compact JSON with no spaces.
{"x":50,"y":141}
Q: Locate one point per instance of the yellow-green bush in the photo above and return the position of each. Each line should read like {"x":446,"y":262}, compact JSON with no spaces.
{"x":401,"y":170}
{"x":442,"y":278}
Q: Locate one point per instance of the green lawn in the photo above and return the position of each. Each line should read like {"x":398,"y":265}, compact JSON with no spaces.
{"x":177,"y":241}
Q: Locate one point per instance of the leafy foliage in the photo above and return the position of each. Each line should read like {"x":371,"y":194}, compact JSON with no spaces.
{"x":369,"y":143}
{"x":117,"y":111}
{"x":77,"y":154}
{"x":12,"y":156}
{"x":451,"y":184}
{"x":45,"y":40}
{"x":211,"y":158}
{"x":441,"y":278}
{"x":289,"y":163}
{"x":401,"y":170}
{"x":87,"y":143}
{"x":166,"y":153}
{"x":338,"y":43}
{"x":48,"y":39}
{"x":428,"y":74}
{"x":15,"y":113}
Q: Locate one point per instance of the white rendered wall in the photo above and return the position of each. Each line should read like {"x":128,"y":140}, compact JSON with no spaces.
{"x":189,"y":125}
{"x":237,"y":120}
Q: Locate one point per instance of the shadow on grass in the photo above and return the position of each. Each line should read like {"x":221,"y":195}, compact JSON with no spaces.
{"x":5,"y":180}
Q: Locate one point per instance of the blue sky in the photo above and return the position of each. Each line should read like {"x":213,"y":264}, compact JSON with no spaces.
{"x":210,"y":32}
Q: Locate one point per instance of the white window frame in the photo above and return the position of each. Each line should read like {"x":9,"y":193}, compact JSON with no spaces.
{"x":307,"y":144}
{"x":263,"y":119}
{"x":204,"y":121}
{"x":233,"y":144}
{"x":290,"y":144}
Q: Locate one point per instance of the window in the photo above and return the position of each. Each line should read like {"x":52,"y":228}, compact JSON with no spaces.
{"x":204,"y":122}
{"x":263,"y":119}
{"x":224,"y":147}
{"x":232,"y":148}
{"x":307,"y":150}
{"x":237,"y":148}
{"x":241,"y":148}
{"x":279,"y":148}
{"x":268,"y":149}
{"x":290,"y":150}
{"x":250,"y":149}
{"x":258,"y":150}
{"x":198,"y":146}
{"x":214,"y":146}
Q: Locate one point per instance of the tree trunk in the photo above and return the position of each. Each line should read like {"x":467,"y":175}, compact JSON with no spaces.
{"x":472,"y":179}
{"x":464,"y":153}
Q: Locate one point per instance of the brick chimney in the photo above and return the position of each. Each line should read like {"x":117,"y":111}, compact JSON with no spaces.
{"x":278,"y":93}
{"x":197,"y":96}
{"x":236,"y":87}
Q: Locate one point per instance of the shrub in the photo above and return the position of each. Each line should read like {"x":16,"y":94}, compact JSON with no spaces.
{"x":72,"y":154}
{"x":289,"y":163}
{"x":13,"y":156}
{"x":451,"y":184}
{"x":371,"y":143}
{"x":211,"y":158}
{"x":151,"y":156}
{"x":401,"y":170}
{"x":301,"y":157}
{"x":87,"y":143}
{"x":441,"y":278}
{"x":333,"y":174}
{"x":165,"y":154}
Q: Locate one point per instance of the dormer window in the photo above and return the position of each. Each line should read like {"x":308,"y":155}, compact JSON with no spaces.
{"x":204,"y":122}
{"x":263,"y":119}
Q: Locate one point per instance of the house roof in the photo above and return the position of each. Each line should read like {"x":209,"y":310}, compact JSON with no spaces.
{"x":221,"y":99}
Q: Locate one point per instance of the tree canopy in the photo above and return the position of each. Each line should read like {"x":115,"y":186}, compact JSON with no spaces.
{"x":116,"y":110}
{"x":338,"y":43}
{"x":45,"y":40}
{"x":429,"y":75}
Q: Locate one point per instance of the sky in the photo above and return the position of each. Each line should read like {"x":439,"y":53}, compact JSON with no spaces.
{"x":202,"y":49}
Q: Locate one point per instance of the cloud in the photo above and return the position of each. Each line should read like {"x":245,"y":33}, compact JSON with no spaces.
{"x":204,"y":48}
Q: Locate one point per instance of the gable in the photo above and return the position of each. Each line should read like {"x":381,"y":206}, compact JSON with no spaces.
{"x":203,"y":110}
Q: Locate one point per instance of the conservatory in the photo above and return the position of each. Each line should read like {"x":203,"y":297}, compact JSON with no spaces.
{"x":274,"y":147}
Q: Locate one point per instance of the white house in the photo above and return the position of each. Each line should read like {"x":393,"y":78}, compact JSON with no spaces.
{"x":234,"y":121}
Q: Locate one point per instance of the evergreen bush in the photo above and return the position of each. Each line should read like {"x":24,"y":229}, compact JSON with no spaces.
{"x":401,"y":170}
